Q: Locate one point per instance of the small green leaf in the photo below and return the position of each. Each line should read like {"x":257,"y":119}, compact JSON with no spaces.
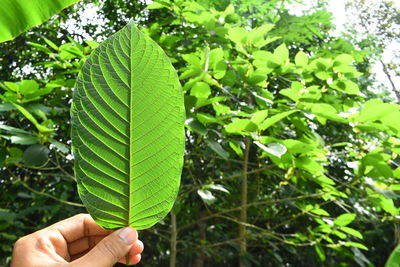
{"x":344,"y":219}
{"x":217,"y":187}
{"x":24,"y":139}
{"x":201,"y":90}
{"x":28,"y":87}
{"x":237,"y":35}
{"x":155,"y":5}
{"x":301,"y":59}
{"x":321,"y":253}
{"x":32,"y":119}
{"x":259,"y":116}
{"x":282,"y":53}
{"x":36,"y":155}
{"x":275,"y":149}
{"x":206,"y":196}
{"x":6,"y":107}
{"x":60,"y":146}
{"x":196,"y":126}
{"x":274,"y":119}
{"x":51,"y":44}
{"x":296,"y":146}
{"x":309,"y":165}
{"x":355,"y":244}
{"x":351,"y":231}
{"x":326,"y":111}
{"x":375,"y":109}
{"x":236,"y":147}
{"x":343,"y":59}
{"x":241,"y":127}
{"x":217,"y":148}
{"x":319,"y":211}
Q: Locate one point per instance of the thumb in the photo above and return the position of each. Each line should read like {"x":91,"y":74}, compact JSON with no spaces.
{"x":111,"y":249}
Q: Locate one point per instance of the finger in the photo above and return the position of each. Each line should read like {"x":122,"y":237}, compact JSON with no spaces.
{"x":137,"y":248}
{"x":133,"y":259}
{"x":109,"y":250}
{"x":79,"y":226}
{"x":77,"y":256}
{"x":83,"y":244}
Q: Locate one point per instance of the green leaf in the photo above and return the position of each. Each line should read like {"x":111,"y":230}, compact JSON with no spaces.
{"x":274,"y":119}
{"x":60,"y":146}
{"x":320,"y":251}
{"x":28,"y":87}
{"x":32,"y":119}
{"x":127,"y":131}
{"x":275,"y":149}
{"x":206,"y":196}
{"x":355,"y":244}
{"x":18,"y":16}
{"x":236,"y":147}
{"x":394,"y":258}
{"x":320,"y":211}
{"x":326,"y":111}
{"x":259,"y":116}
{"x":375,"y":109}
{"x":196,"y":126}
{"x":155,"y":5}
{"x":241,"y":127}
{"x":237,"y":35}
{"x":24,"y":139}
{"x":351,"y":231}
{"x":309,"y":165}
{"x":281,"y":53}
{"x":13,"y":130}
{"x":200,"y":90}
{"x":344,"y":219}
{"x":217,"y":148}
{"x":343,"y":59}
{"x":6,"y":107}
{"x":296,"y":146}
{"x":36,"y":155}
{"x":217,"y":187}
{"x":301,"y":59}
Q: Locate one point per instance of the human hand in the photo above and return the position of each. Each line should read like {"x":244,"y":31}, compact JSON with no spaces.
{"x":75,"y":242}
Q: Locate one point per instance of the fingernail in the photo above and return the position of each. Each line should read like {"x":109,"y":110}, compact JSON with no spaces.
{"x":127,"y":235}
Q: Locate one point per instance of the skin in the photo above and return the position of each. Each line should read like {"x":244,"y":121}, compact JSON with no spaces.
{"x":77,"y":241}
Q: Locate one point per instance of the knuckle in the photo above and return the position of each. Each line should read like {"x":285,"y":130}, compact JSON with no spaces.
{"x":21,"y":242}
{"x":107,"y":247}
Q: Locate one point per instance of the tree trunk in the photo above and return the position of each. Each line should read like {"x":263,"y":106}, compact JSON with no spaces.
{"x":201,"y":226}
{"x":243,"y":204}
{"x":172,"y":259}
{"x":394,"y":89}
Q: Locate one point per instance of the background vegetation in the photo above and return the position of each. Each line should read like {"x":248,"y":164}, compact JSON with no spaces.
{"x":291,"y":145}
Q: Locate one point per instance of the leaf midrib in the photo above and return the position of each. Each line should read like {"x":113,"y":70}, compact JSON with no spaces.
{"x":130,"y":125}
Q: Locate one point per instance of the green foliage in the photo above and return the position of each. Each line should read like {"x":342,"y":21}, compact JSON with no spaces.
{"x":127,"y":132}
{"x":18,"y":16}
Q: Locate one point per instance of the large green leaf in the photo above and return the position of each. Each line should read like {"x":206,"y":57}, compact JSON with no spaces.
{"x":127,"y":131}
{"x":18,"y":16}
{"x":394,"y":258}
